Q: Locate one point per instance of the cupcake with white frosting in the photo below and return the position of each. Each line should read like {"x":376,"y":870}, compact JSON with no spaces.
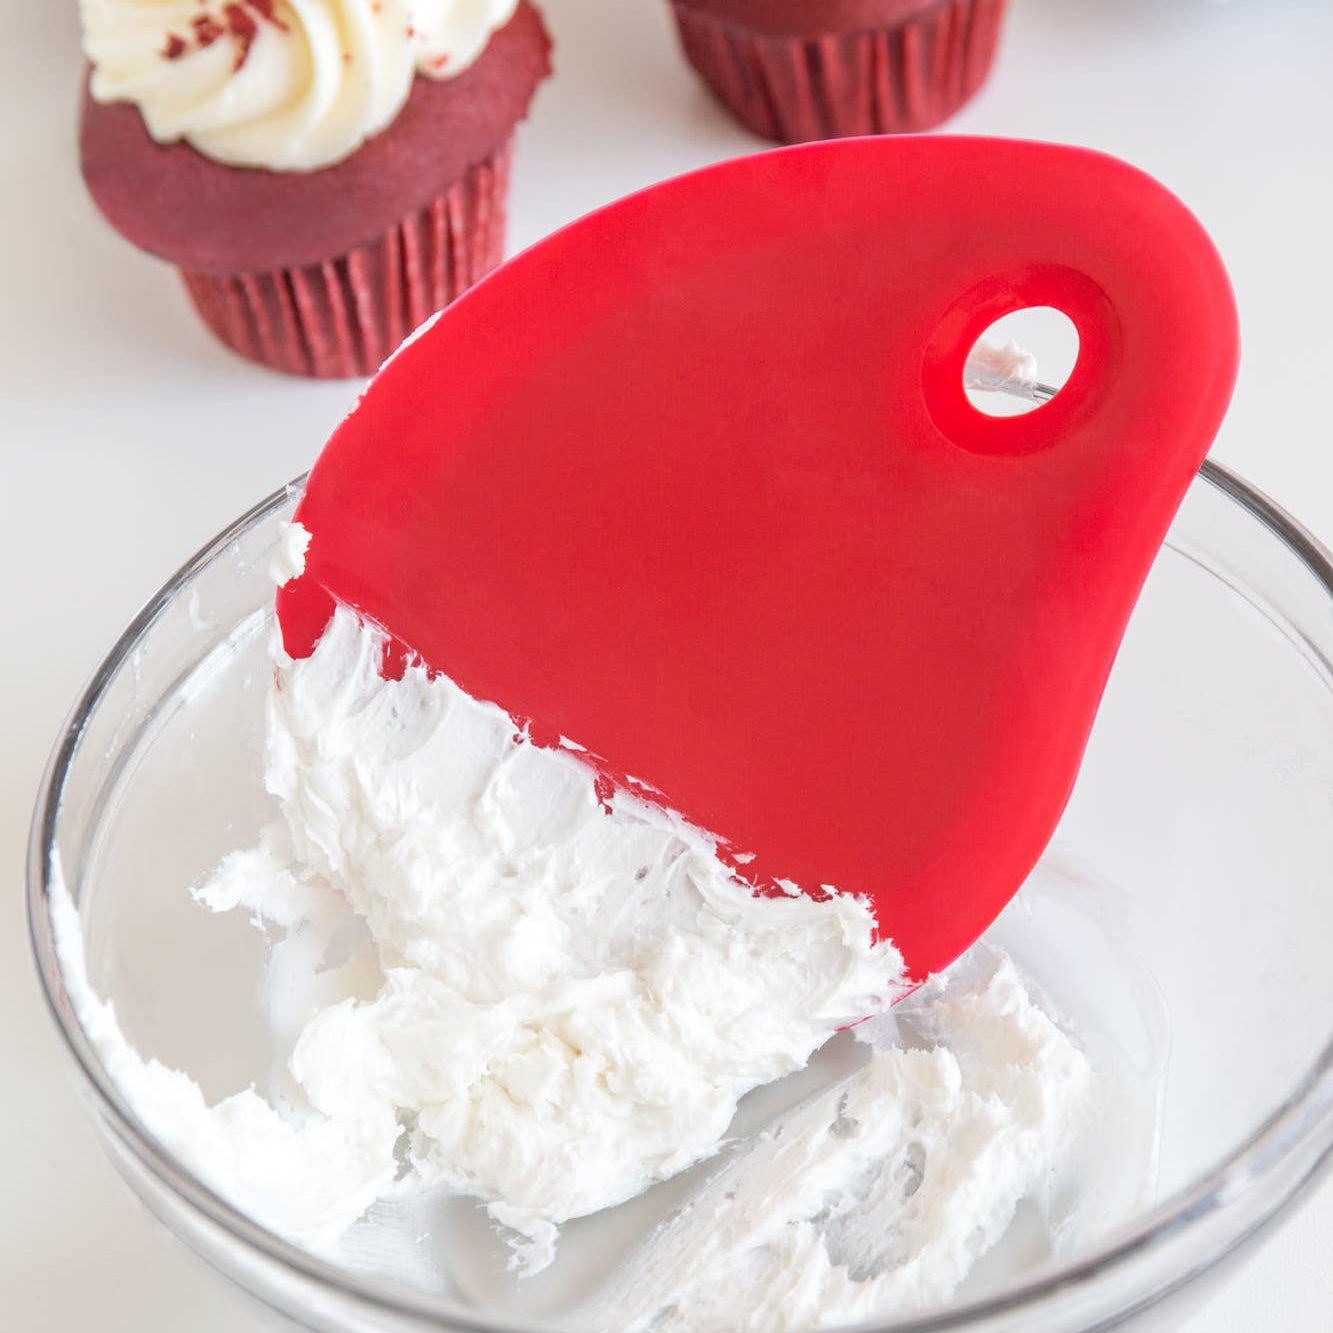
{"x":324,"y":173}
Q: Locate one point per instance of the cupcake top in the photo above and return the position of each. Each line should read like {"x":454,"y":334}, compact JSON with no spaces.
{"x":289,"y":85}
{"x":205,"y":215}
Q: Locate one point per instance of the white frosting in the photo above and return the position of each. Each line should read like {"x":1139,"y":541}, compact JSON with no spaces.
{"x":291,"y":85}
{"x":878,"y":1195}
{"x":288,"y":561}
{"x":448,"y":35}
{"x":303,"y":1176}
{"x":1001,"y":368}
{"x":575,"y":998}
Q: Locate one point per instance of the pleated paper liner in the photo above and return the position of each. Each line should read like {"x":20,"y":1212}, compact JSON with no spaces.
{"x":893,"y":80}
{"x":343,"y":317}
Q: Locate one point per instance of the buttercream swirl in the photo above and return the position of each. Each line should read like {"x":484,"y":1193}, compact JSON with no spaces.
{"x":291,"y":85}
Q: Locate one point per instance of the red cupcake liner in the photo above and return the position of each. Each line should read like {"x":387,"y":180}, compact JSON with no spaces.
{"x":894,"y":80}
{"x":343,"y":317}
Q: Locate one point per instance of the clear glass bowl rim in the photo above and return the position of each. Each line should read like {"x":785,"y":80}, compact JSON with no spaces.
{"x":1303,"y":1123}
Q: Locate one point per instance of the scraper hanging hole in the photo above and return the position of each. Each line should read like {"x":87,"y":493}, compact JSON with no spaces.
{"x":1021,"y":361}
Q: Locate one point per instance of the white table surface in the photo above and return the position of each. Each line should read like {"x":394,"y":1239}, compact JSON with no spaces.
{"x":127,"y":438}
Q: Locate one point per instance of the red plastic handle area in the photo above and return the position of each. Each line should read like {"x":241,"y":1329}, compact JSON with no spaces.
{"x":695,"y":483}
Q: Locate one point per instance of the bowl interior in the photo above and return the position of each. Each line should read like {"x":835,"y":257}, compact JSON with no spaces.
{"x":1179,"y":920}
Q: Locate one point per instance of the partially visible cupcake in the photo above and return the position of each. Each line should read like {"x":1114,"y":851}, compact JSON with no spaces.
{"x":324,"y":173}
{"x":794,"y":70}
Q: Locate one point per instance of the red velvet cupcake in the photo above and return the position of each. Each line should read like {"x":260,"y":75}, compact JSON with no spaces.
{"x":325,"y":174}
{"x":794,"y":70}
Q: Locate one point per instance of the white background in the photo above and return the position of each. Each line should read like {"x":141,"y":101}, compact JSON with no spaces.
{"x":127,"y":438}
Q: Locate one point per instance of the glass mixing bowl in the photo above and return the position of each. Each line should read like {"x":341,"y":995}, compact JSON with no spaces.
{"x":1181,"y":917}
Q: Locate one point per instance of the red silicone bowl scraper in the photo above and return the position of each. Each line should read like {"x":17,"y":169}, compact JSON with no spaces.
{"x":695,"y":484}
